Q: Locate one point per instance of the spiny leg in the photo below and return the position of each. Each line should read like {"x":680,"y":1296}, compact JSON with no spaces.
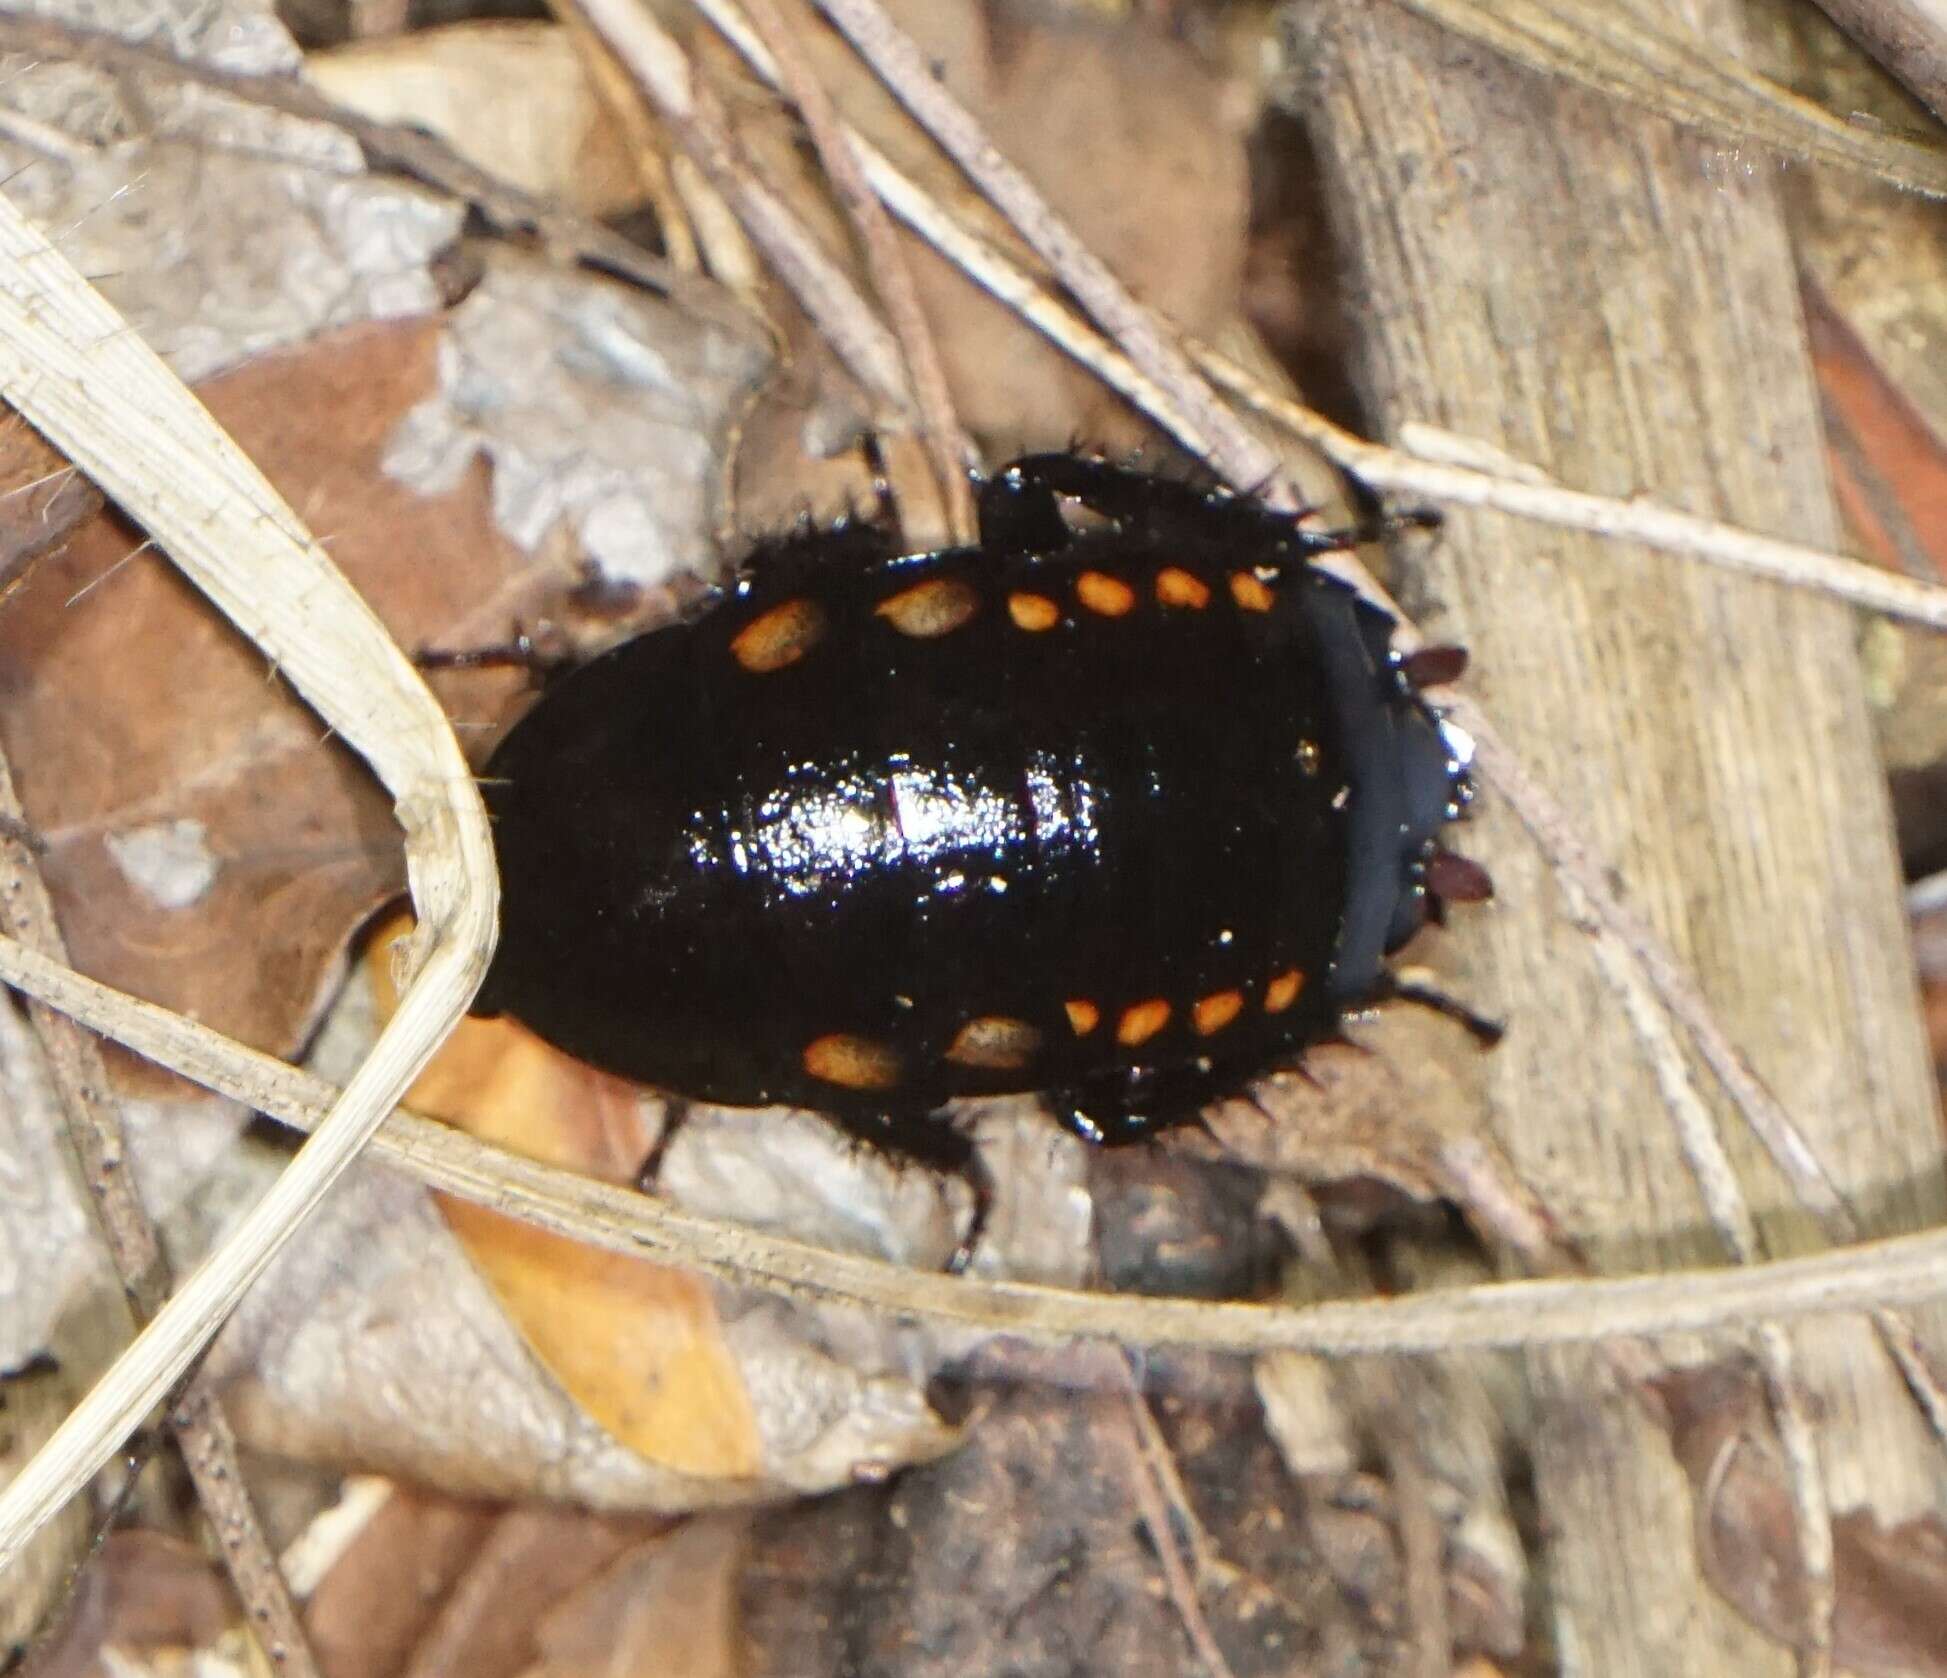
{"x":676,"y":1113}
{"x":803,"y":554}
{"x":932,"y":1141}
{"x":1019,"y":508}
{"x":543,"y":654}
{"x":1019,"y":511}
{"x":1485,"y":1032}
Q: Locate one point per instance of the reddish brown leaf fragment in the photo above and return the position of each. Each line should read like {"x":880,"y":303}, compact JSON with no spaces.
{"x":192,"y":808}
{"x":1890,"y":1581}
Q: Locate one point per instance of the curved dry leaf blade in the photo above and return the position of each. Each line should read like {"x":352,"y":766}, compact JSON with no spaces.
{"x":190,"y":805}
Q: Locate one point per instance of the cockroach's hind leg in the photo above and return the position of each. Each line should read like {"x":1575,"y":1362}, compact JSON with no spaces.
{"x":1377,"y":527}
{"x":676,"y":1114}
{"x":543,"y":654}
{"x":975,"y":1175}
{"x":1485,"y":1032}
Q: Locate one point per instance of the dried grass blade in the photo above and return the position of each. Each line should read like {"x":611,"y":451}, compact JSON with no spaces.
{"x":74,"y":368}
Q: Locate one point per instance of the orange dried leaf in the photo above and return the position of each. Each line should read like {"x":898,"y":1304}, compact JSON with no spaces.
{"x":638,"y":1345}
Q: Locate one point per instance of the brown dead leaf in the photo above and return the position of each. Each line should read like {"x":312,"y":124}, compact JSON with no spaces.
{"x":435,"y":1588}
{"x":192,"y":809}
{"x":42,"y":497}
{"x":465,"y":81}
{"x":380,"y":1600}
{"x":143,"y":1593}
{"x":1890,"y":1582}
{"x":667,"y":1609}
{"x":1889,"y":476}
{"x":1889,"y":466}
{"x":1933,"y":995}
{"x":33,"y":1402}
{"x":638,"y":1345}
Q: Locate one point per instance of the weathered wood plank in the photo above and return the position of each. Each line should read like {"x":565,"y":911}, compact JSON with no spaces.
{"x":1585,"y":287}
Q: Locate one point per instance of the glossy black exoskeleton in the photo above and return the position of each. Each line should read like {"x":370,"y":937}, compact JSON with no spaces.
{"x":1129,"y":811}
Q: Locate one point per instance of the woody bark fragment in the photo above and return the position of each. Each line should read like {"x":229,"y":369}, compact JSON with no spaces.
{"x":1589,"y":289}
{"x":1908,"y":37}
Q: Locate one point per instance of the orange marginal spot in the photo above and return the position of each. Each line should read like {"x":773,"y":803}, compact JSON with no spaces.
{"x":996,"y":1042}
{"x":854,"y":1063}
{"x":1250,"y":592}
{"x":1083,"y":1015}
{"x":1282,"y":991}
{"x":781,"y":636}
{"x":1141,"y":1022}
{"x":1100,"y":592}
{"x":637,"y":1345}
{"x":935,"y":607}
{"x":1033,"y":611}
{"x":1215,"y":1011}
{"x":1177,"y":587}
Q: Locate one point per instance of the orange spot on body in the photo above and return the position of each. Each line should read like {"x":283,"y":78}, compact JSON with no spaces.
{"x":1283,"y":990}
{"x":781,"y":636}
{"x":854,"y":1063}
{"x":1083,"y":1015}
{"x":1215,"y":1011}
{"x":935,"y":607}
{"x":1250,"y":592}
{"x":1033,"y":612}
{"x":1141,"y":1022}
{"x":996,"y":1042}
{"x":1110,"y":596}
{"x":1177,"y":587}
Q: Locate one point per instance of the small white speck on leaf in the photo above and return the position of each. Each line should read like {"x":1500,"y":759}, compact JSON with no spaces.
{"x":170,"y":861}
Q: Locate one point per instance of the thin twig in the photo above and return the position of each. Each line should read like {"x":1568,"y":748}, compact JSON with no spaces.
{"x":1379,"y":1400}
{"x":80,"y":1080}
{"x":646,"y":144}
{"x":1422,"y":1539}
{"x":1896,"y":1271}
{"x":1177,"y":1579}
{"x":1510,"y":486}
{"x":410,"y":152}
{"x":892,"y":277}
{"x":1716,"y":1177}
{"x":662,"y":71}
{"x":1230,"y":446}
{"x":1908,"y":37}
{"x":1811,"y":1507}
